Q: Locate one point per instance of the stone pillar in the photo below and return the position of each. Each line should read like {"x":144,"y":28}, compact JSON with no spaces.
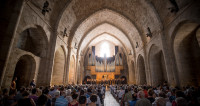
{"x":10,"y":16}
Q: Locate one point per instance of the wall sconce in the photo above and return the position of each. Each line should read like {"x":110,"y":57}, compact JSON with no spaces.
{"x":75,"y":46}
{"x":137,"y":45}
{"x":46,"y":8}
{"x":149,"y":34}
{"x":65,"y":33}
{"x":174,"y":7}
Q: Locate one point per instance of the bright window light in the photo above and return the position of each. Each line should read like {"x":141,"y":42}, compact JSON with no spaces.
{"x":105,"y":50}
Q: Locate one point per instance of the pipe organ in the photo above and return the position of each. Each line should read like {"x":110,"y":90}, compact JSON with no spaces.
{"x":105,"y":66}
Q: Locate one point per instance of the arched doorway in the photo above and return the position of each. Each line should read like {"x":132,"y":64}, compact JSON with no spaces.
{"x":157,"y":66}
{"x":187,"y":54}
{"x":58,"y":74}
{"x":24,"y":71}
{"x":72,"y":70}
{"x":34,"y":40}
{"x":141,"y":74}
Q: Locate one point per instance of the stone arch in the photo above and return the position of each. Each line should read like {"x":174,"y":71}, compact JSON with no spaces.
{"x":72,"y":70}
{"x":106,"y":5}
{"x":157,"y":66}
{"x":85,"y":27}
{"x":25,"y":70}
{"x":33,"y":40}
{"x":141,"y":73}
{"x":103,"y":28}
{"x":187,"y":53}
{"x":58,"y":74}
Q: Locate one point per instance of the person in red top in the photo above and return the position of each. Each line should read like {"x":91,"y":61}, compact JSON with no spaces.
{"x":145,"y":91}
{"x":74,"y":102}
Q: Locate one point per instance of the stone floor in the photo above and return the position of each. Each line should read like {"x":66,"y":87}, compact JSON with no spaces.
{"x":110,"y":100}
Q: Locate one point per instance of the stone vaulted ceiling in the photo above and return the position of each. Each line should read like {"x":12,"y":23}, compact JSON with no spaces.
{"x":126,"y":20}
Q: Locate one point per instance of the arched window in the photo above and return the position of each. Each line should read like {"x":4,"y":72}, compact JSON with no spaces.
{"x":105,"y":50}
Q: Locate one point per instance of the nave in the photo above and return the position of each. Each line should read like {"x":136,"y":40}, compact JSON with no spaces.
{"x":110,"y":100}
{"x":134,"y":47}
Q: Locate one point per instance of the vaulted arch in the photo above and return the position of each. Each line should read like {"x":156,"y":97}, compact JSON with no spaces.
{"x":141,"y":72}
{"x":106,"y":28}
{"x":34,"y":40}
{"x":107,"y":21}
{"x":157,"y":66}
{"x":72,"y":71}
{"x":59,"y":68}
{"x":187,"y":53}
{"x":25,"y":70}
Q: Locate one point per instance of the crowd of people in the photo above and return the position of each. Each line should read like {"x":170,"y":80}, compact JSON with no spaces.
{"x":162,"y":95}
{"x":70,"y":95}
{"x":107,"y":82}
{"x":94,"y":94}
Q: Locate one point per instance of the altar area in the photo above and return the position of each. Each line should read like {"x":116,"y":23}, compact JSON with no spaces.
{"x":105,"y":76}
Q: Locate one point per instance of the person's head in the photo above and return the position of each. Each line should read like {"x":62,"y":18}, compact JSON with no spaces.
{"x":150,"y":92}
{"x":41,"y":87}
{"x":89,"y":90}
{"x":79,"y":89}
{"x":134,"y":96}
{"x":63,"y":93}
{"x":181,"y":101}
{"x":57,"y":93}
{"x":179,"y":94}
{"x":141,"y":94}
{"x":161,"y":102}
{"x":45,"y":91}
{"x":129,"y":88}
{"x":25,"y":94}
{"x":93,"y":98}
{"x":22,"y":89}
{"x":39,"y":92}
{"x":74,"y":96}
{"x":34,"y":90}
{"x":33,"y":80}
{"x":82,"y":100}
{"x":61,"y":88}
{"x":99,"y":91}
{"x":162,"y":94}
{"x":68,"y":92}
{"x":13,"y":92}
{"x":126,"y":90}
{"x":5,"y":91}
{"x":82,"y":92}
{"x":42,"y":100}
{"x":144,"y":88}
{"x":15,"y":79}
